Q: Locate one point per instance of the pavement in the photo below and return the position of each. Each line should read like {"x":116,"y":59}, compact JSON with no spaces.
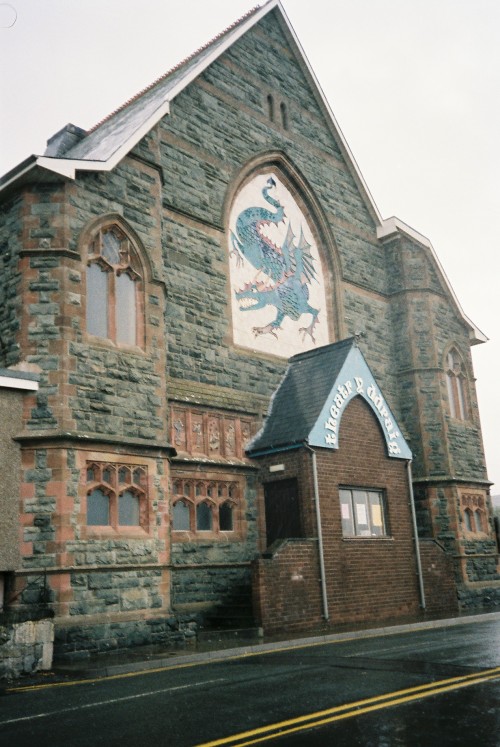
{"x":219,"y":647}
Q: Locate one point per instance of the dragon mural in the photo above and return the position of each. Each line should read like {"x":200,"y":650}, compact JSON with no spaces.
{"x":283,"y":272}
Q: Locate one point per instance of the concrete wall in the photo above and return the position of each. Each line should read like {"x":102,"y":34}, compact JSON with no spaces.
{"x":11,"y":406}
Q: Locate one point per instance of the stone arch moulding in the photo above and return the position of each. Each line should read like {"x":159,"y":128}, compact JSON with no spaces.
{"x":109,"y":219}
{"x":458,"y":387}
{"x":284,"y":268}
{"x":356,"y":380}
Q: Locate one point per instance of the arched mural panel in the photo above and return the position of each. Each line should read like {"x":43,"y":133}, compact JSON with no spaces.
{"x":278,"y":296}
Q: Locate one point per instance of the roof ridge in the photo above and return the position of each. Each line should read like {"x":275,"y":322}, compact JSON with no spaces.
{"x":323,"y":349}
{"x":175,"y":68}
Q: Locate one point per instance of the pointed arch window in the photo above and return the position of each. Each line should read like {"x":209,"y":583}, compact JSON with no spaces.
{"x":114,"y":283}
{"x":207,"y":506}
{"x":114,"y":499}
{"x":456,"y":385}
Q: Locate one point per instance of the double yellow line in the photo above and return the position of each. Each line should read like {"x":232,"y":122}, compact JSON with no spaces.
{"x":356,"y":708}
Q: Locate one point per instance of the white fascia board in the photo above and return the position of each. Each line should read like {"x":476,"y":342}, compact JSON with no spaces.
{"x":9,"y":382}
{"x":19,"y":174}
{"x":69,"y":166}
{"x":393,"y":226}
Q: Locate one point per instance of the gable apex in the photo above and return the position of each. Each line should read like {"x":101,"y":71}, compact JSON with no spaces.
{"x":308,"y":406}
{"x":105,"y":144}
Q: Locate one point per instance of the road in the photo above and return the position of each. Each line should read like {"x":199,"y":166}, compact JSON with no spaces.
{"x":430,"y":687}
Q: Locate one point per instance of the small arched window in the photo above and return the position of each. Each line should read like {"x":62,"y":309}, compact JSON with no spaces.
{"x":468,"y":520}
{"x":203,"y":517}
{"x":284,"y":115}
{"x":478,"y":520}
{"x":181,"y":517}
{"x":98,"y":508}
{"x":455,"y":382}
{"x":128,"y":509}
{"x":270,"y":107}
{"x":113,"y":286}
{"x":226,"y":517}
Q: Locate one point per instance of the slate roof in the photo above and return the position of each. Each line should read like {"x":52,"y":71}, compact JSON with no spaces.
{"x":299,"y":399}
{"x":107,"y":136}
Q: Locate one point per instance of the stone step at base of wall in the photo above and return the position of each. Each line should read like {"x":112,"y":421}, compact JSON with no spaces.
{"x":225,"y":635}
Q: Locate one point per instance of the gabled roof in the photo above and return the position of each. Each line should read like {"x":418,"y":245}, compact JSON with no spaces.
{"x":308,"y":406}
{"x":104,"y":146}
{"x":109,"y":141}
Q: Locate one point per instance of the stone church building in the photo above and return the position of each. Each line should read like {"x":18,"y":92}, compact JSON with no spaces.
{"x":246,"y":399}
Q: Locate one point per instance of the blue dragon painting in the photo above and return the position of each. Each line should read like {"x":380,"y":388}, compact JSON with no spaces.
{"x":289,"y":268}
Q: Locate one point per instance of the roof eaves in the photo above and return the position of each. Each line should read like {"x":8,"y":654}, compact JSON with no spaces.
{"x":18,"y":171}
{"x":392,"y":226}
{"x":69,"y":166}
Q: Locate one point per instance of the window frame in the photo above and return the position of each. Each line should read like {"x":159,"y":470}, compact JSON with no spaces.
{"x":115,"y":302}
{"x":348,"y":495}
{"x":107,"y":478}
{"x":215,"y":493}
{"x":457,"y":386}
{"x":474,"y":515}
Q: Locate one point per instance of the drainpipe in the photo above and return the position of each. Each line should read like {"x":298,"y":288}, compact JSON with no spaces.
{"x":320,"y":533}
{"x":415,"y":535}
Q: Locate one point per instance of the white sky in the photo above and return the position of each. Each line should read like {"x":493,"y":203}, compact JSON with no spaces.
{"x":414,"y":85}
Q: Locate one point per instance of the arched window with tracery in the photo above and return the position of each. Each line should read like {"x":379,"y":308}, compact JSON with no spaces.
{"x":116,"y":495}
{"x":181,"y":517}
{"x":114,"y":284}
{"x":456,"y":385}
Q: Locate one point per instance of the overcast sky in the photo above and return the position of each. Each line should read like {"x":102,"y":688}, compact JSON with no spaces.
{"x":414,"y":85}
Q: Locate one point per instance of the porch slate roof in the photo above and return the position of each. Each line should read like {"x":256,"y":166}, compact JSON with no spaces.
{"x":298,"y":401}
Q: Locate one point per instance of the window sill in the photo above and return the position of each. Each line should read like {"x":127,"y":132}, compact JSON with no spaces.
{"x":106,"y":342}
{"x":371,"y":538}
{"x":183,"y":535}
{"x":105,"y":532}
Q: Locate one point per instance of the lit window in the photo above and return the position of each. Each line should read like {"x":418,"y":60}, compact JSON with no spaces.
{"x":455,"y":382}
{"x":363,"y":513}
{"x":113,"y":284}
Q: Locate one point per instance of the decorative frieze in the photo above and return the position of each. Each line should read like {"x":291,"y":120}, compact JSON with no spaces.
{"x":209,"y":434}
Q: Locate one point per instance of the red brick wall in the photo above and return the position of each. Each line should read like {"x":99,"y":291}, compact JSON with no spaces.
{"x":286,"y":587}
{"x":368,"y":579}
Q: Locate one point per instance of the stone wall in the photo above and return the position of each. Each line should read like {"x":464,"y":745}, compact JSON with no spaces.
{"x":286,"y":587}
{"x":26,"y":646}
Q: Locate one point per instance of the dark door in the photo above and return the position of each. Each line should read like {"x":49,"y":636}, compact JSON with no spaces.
{"x":282,"y":510}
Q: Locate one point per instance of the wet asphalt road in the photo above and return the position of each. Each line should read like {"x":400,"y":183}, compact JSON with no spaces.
{"x":431,"y":687}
